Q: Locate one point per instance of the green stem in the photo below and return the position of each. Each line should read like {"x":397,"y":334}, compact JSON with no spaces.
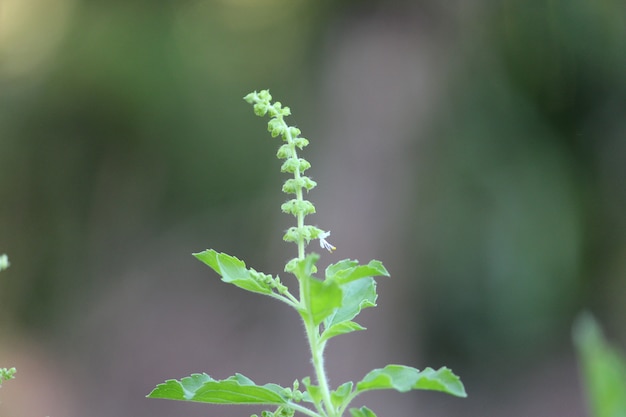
{"x":304,"y":410}
{"x":312,"y":330}
{"x":317,"y":355}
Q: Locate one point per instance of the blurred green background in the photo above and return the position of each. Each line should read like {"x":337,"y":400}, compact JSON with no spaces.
{"x":478,"y":150}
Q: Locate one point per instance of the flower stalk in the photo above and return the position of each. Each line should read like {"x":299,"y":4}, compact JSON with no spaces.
{"x":301,"y":234}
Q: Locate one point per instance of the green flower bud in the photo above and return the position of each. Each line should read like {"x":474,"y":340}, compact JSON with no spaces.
{"x":296,"y":207}
{"x":298,"y":396}
{"x":260,"y":109}
{"x":306,"y":207}
{"x":306,"y":233}
{"x":301,"y":142}
{"x":275,"y":110}
{"x":293,"y":132}
{"x":251,"y":97}
{"x":303,"y":164}
{"x":293,"y":184}
{"x":285,"y":152}
{"x":308,"y":183}
{"x":265,"y":95}
{"x":290,"y":186}
{"x":291,"y":165}
{"x":315,"y":232}
{"x":275,"y":127}
{"x":292,"y":235}
{"x":295,"y":234}
{"x":280,"y":287}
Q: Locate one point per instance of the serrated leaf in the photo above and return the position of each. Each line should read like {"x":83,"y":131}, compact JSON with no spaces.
{"x":348,"y":270}
{"x":603,"y":369}
{"x":233,"y":271}
{"x":237,"y":389}
{"x":340,"y":328}
{"x":324,"y":297}
{"x":362,"y":412}
{"x":405,"y":378}
{"x":357,"y":295}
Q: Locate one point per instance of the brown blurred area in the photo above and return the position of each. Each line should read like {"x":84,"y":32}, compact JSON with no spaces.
{"x":477,"y":148}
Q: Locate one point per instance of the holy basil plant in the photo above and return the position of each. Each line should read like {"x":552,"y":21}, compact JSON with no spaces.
{"x":327,"y":306}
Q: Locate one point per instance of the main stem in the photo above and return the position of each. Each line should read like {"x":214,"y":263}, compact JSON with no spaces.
{"x":317,"y":355}
{"x":312,"y":330}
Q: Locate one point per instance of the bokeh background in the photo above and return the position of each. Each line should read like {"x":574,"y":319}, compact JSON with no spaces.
{"x":477,"y":148}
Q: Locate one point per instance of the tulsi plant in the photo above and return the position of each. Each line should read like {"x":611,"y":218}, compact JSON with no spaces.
{"x":327,"y":307}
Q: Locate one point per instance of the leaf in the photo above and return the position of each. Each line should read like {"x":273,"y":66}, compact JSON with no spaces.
{"x":339,"y":395}
{"x":348,"y":270}
{"x":359,"y":292}
{"x":340,"y":328}
{"x":305,"y":267}
{"x":362,"y":412}
{"x":603,"y":369}
{"x":404,"y":378}
{"x":324,"y":297}
{"x":237,"y":389}
{"x":234,"y":271}
{"x":314,"y":392}
{"x":357,"y":295}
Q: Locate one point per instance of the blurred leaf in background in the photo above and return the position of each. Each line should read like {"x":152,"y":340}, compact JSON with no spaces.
{"x":514,"y":202}
{"x":603,"y":369}
{"x":120,"y":121}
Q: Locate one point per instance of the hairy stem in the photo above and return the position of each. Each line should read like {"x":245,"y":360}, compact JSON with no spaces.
{"x":317,"y":356}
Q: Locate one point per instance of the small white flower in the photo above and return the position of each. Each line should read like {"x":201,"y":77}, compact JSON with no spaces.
{"x":324,"y":243}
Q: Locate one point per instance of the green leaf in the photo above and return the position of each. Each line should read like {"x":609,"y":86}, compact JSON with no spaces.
{"x":404,"y":378}
{"x":340,"y":328}
{"x":603,"y":369}
{"x":357,"y":295}
{"x":323,"y":298}
{"x":305,"y":267}
{"x":314,"y":392}
{"x":234,"y":271}
{"x":362,"y":412}
{"x":348,"y":270}
{"x":237,"y":389}
{"x":339,"y":395}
